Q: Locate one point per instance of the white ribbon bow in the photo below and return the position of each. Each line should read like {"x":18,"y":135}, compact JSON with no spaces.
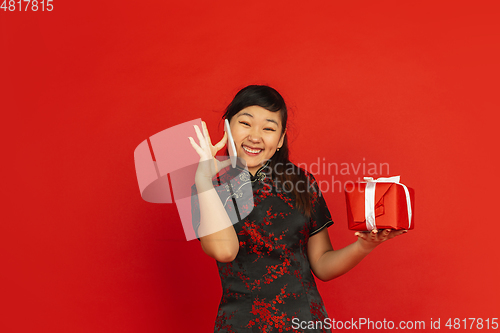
{"x":370,"y":199}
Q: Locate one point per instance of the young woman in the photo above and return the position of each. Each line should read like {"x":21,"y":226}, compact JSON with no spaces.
{"x":267,"y":259}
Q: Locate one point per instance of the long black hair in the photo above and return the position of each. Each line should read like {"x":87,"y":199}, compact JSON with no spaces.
{"x":292,"y":178}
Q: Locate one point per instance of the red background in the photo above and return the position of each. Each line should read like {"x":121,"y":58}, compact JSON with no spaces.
{"x":413,"y":85}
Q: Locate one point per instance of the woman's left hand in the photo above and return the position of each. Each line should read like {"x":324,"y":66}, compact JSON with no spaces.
{"x":369,"y":240}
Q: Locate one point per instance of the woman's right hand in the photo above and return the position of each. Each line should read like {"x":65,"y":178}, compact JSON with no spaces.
{"x":208,"y":166}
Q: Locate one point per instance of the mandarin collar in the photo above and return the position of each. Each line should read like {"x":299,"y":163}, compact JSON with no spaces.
{"x":261,"y":173}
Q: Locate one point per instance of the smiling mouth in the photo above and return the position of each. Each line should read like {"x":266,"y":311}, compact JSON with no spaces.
{"x":252,"y":151}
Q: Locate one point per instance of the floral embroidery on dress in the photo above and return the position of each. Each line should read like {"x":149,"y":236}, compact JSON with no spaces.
{"x":270,"y":282}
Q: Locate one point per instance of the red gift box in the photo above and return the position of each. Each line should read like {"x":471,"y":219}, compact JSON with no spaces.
{"x":384,"y":203}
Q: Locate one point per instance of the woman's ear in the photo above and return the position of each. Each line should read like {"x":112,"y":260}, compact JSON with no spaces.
{"x":280,"y":143}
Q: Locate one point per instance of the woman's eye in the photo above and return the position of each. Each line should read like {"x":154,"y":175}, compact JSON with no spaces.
{"x":244,"y":123}
{"x":270,"y":129}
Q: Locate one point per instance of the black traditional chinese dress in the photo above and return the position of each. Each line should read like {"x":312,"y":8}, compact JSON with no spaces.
{"x":269,"y":287}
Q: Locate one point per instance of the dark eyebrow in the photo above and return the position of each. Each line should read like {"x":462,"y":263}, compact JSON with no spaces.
{"x":248,"y":114}
{"x":245,"y":114}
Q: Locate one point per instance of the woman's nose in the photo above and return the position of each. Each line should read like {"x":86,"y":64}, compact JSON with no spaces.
{"x":254,"y":136}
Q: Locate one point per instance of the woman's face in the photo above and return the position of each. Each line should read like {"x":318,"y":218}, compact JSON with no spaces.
{"x":257,"y":134}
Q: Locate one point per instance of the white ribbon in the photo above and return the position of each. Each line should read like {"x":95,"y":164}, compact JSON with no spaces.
{"x":370,"y":199}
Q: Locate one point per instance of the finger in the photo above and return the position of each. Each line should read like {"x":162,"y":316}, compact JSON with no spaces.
{"x":361,"y":235}
{"x":222,"y":142}
{"x":373,"y":234}
{"x":385,"y":234}
{"x":205,"y":132}
{"x":207,"y":138}
{"x":395,"y":233}
{"x":202,"y":140}
{"x":196,"y":147}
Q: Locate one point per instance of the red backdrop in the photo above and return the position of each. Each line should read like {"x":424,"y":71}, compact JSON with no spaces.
{"x":412,"y":85}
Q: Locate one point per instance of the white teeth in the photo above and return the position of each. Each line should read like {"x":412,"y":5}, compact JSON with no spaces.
{"x":253,"y":151}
